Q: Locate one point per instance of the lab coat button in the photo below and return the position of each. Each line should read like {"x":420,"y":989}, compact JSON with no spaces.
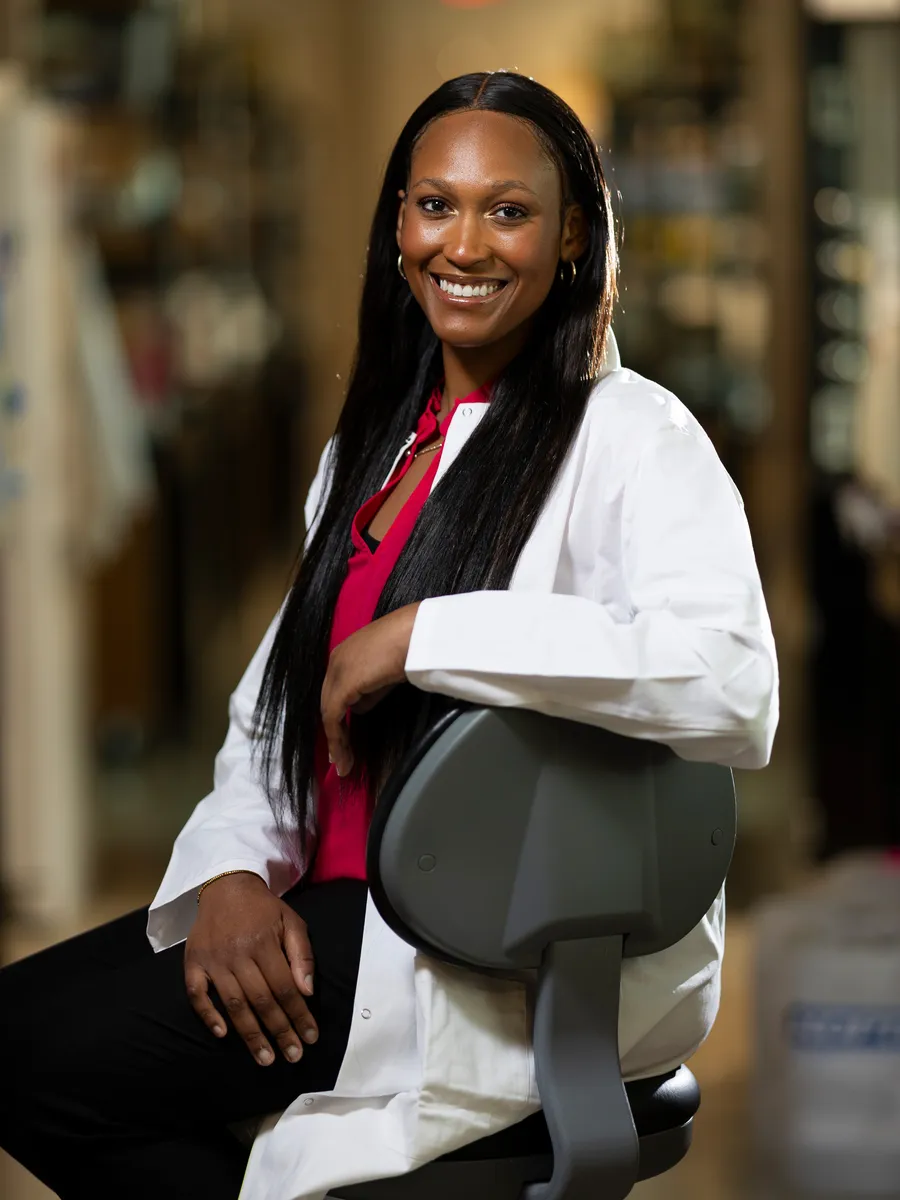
{"x":308,"y":1101}
{"x":366,"y":1013}
{"x":467,"y":412}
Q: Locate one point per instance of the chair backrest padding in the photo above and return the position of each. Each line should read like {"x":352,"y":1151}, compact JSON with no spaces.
{"x":511,"y":830}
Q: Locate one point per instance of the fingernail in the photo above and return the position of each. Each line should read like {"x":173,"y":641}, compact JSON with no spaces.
{"x":264,"y":1057}
{"x":293,"y":1054}
{"x":330,"y":759}
{"x":309,"y":983}
{"x":310,"y":1035}
{"x":218,"y":1030}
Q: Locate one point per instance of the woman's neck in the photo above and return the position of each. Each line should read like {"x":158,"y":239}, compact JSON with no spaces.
{"x":467,"y":368}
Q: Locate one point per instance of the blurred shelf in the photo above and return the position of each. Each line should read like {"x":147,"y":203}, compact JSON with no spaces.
{"x":185,"y":179}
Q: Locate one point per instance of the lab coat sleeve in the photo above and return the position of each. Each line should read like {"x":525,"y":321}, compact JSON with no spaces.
{"x":233,"y":827}
{"x":695,"y":665}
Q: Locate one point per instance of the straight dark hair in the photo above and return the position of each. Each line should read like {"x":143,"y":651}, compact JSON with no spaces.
{"x":474,"y":524}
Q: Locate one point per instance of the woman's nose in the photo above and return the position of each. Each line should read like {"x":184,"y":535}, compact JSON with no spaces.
{"x":466,"y":247}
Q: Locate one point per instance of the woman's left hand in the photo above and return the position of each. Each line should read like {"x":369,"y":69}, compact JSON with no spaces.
{"x":361,"y":671}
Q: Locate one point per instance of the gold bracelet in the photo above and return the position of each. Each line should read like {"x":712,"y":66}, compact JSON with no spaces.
{"x":237,"y":871}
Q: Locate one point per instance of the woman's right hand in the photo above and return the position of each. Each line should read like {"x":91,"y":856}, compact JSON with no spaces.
{"x":255,"y":951}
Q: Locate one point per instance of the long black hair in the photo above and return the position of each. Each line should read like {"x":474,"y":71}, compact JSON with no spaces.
{"x":474,"y":524}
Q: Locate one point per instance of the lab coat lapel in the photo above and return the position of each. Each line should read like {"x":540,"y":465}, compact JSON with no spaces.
{"x":408,"y":441}
{"x":467,"y":418}
{"x":465,"y":421}
{"x":537,"y":564}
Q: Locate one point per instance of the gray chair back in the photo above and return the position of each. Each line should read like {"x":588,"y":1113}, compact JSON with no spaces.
{"x":512,"y":830}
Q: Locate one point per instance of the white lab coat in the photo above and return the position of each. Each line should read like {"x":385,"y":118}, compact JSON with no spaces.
{"x":636,"y":605}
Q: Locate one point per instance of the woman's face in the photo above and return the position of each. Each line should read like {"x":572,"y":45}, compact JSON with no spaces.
{"x":480,"y":229}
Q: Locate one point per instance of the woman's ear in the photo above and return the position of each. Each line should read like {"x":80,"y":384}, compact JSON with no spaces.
{"x":401,"y":212}
{"x":575,"y":237}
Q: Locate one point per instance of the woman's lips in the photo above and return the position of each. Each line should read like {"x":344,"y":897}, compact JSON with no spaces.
{"x":475,"y":298}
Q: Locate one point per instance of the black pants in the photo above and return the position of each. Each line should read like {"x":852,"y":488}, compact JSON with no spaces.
{"x":111,"y":1086}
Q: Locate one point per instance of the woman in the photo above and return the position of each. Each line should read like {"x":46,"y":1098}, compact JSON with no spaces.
{"x":555,"y":533}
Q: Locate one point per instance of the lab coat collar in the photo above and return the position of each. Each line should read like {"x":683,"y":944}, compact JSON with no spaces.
{"x":468,"y":412}
{"x":612,"y":360}
{"x":468,"y":415}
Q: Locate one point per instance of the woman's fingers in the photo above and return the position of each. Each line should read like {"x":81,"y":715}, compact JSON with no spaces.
{"x":298,"y":951}
{"x":241,"y":1013}
{"x":278,"y":976}
{"x":267,"y":1003}
{"x":336,"y":699}
{"x":197,"y":984}
{"x":361,"y":671}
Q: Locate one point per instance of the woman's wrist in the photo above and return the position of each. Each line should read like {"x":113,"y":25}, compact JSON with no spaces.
{"x":228,"y":875}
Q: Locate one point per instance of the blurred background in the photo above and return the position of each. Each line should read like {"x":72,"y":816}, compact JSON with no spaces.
{"x":185,"y":190}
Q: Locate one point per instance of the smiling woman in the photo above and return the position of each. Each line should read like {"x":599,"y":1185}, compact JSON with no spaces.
{"x":494,"y":183}
{"x":481,"y":242}
{"x":504,"y":516}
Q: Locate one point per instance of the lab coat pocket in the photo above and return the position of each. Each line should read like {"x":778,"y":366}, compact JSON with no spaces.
{"x":474,"y":1032}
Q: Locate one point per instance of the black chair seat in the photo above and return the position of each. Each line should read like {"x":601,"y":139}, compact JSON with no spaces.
{"x":500,"y":1166}
{"x":658,"y":1104}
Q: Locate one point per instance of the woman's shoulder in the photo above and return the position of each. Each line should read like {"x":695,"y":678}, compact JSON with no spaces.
{"x":627,"y":412}
{"x":635,"y":428}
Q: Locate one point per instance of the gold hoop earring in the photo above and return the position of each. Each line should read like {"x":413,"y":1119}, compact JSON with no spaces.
{"x":400,"y":267}
{"x":562,"y":276}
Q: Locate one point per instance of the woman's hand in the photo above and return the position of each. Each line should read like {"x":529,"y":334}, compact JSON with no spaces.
{"x":361,"y":671}
{"x":254,"y":949}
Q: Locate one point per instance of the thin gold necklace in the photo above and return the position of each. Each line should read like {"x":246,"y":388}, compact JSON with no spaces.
{"x":428,"y":449}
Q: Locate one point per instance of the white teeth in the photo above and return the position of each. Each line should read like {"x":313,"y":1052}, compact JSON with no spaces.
{"x":468,"y":289}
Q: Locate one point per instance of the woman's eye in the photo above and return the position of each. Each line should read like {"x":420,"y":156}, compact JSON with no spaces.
{"x":511,"y":212}
{"x":434,"y":205}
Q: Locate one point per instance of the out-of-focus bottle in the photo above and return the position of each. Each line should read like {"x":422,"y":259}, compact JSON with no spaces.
{"x":827,"y":1087}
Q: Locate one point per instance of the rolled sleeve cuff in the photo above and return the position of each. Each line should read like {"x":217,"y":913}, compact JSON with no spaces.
{"x":174,"y":908}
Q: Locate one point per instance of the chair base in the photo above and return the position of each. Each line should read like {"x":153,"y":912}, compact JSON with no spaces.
{"x":504,"y":1178}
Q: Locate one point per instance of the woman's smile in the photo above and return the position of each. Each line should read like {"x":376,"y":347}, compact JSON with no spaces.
{"x":467,"y":290}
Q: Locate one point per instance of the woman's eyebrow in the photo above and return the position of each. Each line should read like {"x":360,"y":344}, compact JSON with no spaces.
{"x":499,"y":185}
{"x":503,"y":185}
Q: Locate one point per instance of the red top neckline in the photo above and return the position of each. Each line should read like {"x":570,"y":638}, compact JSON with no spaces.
{"x":344,"y":806}
{"x":428,"y":425}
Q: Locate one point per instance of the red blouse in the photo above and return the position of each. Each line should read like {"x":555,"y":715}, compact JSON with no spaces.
{"x":344,"y":807}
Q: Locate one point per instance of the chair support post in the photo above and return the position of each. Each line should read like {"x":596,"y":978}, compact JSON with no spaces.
{"x":576,"y":1028}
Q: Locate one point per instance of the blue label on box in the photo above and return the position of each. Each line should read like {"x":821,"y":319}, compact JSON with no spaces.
{"x":835,"y":1028}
